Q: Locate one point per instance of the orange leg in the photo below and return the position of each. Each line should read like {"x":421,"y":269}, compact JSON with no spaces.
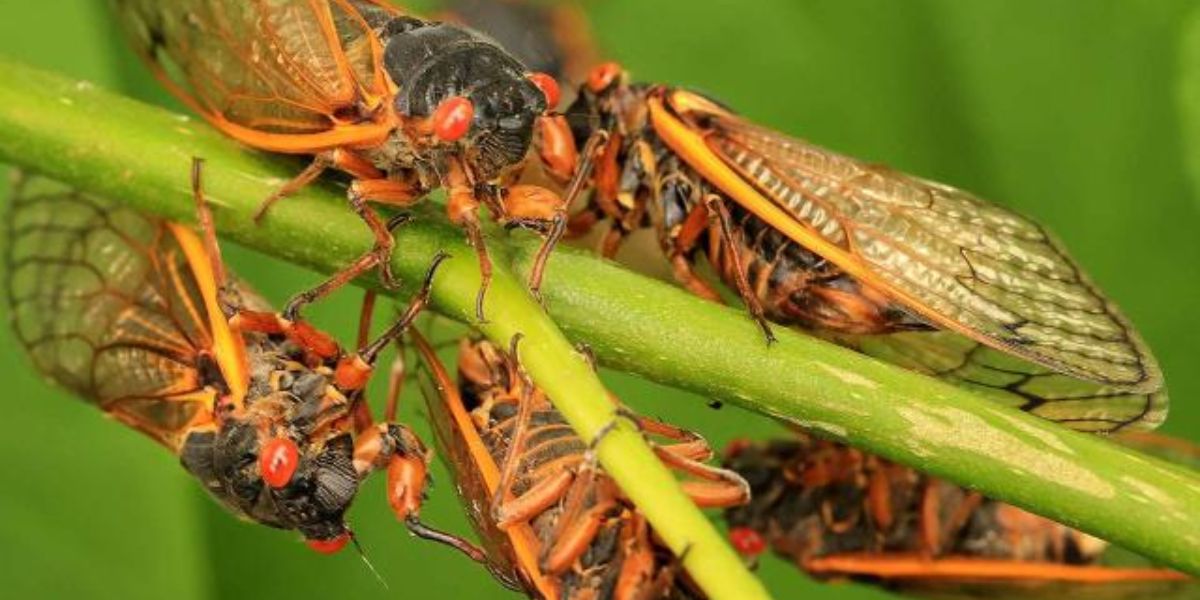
{"x":379,"y":255}
{"x":343,"y":160}
{"x":319,"y":164}
{"x":547,"y":491}
{"x":555,"y":224}
{"x":580,"y":223}
{"x":541,"y":496}
{"x":720,"y":214}
{"x":463,"y":210}
{"x":930,"y":523}
{"x":716,"y":487}
{"x":536,"y":208}
{"x":579,"y":521}
{"x":353,"y":372}
{"x":688,"y":278}
{"x":637,"y":580}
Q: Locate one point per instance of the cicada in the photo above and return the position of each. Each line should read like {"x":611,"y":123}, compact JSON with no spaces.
{"x":909,"y":270}
{"x":553,"y":523}
{"x":137,"y":316}
{"x":839,"y":513}
{"x":401,"y":104}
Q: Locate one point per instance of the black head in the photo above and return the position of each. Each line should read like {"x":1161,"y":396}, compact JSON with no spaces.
{"x":277,"y":481}
{"x":436,"y":66}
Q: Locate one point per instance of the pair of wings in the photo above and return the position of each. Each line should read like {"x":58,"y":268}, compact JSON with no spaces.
{"x":1019,"y":320}
{"x":296,"y":76}
{"x":114,"y":306}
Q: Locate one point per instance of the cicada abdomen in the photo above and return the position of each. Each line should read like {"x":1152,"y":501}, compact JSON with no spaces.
{"x":136,"y":316}
{"x":839,"y":513}
{"x":915,"y":272}
{"x":553,"y":523}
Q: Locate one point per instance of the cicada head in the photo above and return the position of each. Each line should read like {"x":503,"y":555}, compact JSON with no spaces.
{"x":470,"y":99}
{"x":609,"y":101}
{"x":281,"y":461}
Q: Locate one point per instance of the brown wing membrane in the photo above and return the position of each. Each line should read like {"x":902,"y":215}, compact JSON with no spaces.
{"x":105,"y":303}
{"x":993,"y":275}
{"x":285,"y":75}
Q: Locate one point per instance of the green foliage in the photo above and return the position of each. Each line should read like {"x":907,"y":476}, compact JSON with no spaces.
{"x":1066,"y":111}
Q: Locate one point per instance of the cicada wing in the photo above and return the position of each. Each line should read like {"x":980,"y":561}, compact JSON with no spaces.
{"x":512,"y":553}
{"x":961,"y":263}
{"x":106,"y":303}
{"x":1077,"y":403}
{"x":284,"y":75}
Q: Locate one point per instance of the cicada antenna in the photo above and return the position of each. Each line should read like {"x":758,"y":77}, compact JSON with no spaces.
{"x":362,"y":553}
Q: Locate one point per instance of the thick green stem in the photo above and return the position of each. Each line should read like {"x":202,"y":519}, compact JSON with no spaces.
{"x":642,"y":326}
{"x":141,"y":155}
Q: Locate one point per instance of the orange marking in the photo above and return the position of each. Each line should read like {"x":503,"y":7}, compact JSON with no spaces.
{"x":352,"y":373}
{"x":312,"y":339}
{"x":558,"y":150}
{"x":406,"y":478}
{"x":525,"y":544}
{"x":914,"y":567}
{"x":228,"y":347}
{"x":366,"y":135}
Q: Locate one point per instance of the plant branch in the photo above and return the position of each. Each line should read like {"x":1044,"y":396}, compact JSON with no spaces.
{"x":635,"y":324}
{"x":141,"y":155}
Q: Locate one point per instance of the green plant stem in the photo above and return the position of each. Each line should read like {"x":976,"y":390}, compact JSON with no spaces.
{"x":141,"y":155}
{"x":649,"y":328}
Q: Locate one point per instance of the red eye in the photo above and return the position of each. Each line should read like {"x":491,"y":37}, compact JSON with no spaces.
{"x":329,"y":546}
{"x":549,"y":87}
{"x":452,"y":118}
{"x":747,"y":541}
{"x":603,"y":76}
{"x":278,"y":461}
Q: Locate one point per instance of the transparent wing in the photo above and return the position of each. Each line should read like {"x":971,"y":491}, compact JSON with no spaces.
{"x":1077,"y":403}
{"x":104,"y":302}
{"x":261,"y":67}
{"x":958,"y":261}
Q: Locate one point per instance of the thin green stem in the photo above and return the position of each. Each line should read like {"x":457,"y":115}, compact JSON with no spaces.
{"x":639,"y":325}
{"x":141,"y":155}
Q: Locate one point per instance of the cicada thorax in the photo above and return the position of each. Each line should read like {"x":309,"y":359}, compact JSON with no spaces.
{"x":837,"y":512}
{"x":553,"y":522}
{"x":430,"y":62}
{"x":914,"y":272}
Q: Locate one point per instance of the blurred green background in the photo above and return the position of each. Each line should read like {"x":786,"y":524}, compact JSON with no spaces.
{"x":1073,"y":112}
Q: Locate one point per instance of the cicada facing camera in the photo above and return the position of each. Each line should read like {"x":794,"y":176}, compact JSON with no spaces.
{"x":908,"y":270}
{"x":137,"y":316}
{"x":839,"y":513}
{"x":401,"y":104}
{"x":553,"y":523}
